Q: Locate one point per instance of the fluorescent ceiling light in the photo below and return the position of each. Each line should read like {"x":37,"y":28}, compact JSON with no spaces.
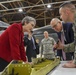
{"x":20,"y":10}
{"x":48,"y":6}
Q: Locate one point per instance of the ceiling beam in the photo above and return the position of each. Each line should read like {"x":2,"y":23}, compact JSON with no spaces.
{"x":32,"y":7}
{"x":39,"y":14}
{"x":44,"y":12}
{"x":10,"y":1}
{"x":36,"y":19}
{"x":3,"y":6}
{"x":43,"y":4}
{"x":35,"y":5}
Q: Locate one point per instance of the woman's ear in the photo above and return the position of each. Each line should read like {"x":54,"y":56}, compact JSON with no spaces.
{"x":25,"y":23}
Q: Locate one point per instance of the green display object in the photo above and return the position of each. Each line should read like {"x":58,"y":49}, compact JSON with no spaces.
{"x":39,"y":66}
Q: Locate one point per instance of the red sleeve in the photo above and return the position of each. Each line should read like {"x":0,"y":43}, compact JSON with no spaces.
{"x":23,"y":54}
{"x":15,"y":43}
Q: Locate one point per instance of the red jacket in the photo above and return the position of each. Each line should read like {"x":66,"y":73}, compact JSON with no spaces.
{"x":11,"y":43}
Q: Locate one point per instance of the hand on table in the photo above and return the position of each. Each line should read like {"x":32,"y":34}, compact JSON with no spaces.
{"x":69,"y":65}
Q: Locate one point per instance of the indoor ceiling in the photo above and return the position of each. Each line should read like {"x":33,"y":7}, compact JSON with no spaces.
{"x":36,"y":8}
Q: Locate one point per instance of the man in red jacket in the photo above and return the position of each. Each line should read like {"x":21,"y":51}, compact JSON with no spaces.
{"x":12,"y":43}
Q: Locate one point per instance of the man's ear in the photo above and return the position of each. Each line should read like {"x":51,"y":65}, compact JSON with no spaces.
{"x":67,"y":11}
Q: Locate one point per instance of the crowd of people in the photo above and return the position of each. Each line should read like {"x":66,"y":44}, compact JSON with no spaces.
{"x":13,"y":41}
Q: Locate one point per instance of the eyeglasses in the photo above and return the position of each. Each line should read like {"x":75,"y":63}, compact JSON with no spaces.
{"x":33,"y":25}
{"x":55,"y":25}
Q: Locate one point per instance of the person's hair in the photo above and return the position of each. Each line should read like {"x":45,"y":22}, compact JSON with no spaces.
{"x":45,"y":31}
{"x":28,"y":19}
{"x":56,"y":20}
{"x":67,"y":5}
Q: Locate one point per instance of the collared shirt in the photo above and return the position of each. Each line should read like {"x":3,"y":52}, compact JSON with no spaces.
{"x":62,"y":31}
{"x":34,"y":47}
{"x":47,"y":45}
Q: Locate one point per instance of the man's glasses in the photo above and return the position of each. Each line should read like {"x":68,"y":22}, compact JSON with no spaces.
{"x":55,"y":25}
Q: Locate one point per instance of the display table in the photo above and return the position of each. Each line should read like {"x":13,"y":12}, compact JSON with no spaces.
{"x":39,"y":66}
{"x":59,"y":70}
{"x":0,"y":73}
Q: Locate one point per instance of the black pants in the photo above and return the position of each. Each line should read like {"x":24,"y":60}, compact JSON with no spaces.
{"x":70,"y":56}
{"x":3,"y":64}
{"x":59,"y":53}
{"x":32,"y":55}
